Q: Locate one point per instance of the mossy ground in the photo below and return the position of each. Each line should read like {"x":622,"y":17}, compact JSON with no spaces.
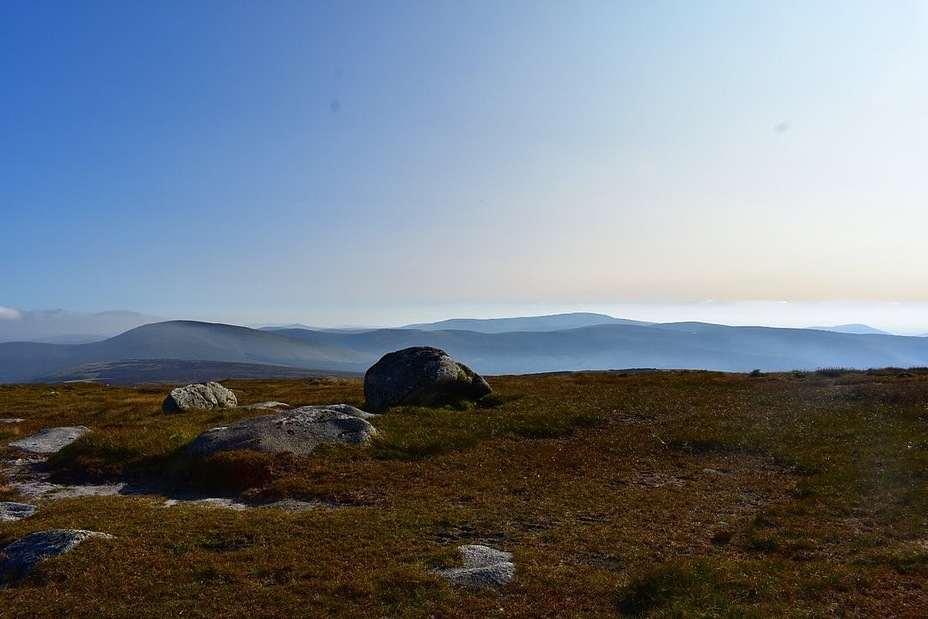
{"x":665,"y":494}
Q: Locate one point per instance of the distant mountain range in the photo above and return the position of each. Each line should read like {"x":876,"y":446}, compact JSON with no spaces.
{"x":853,"y":328}
{"x":554,"y":322}
{"x":186,"y":351}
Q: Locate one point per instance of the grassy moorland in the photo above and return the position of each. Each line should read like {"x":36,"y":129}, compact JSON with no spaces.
{"x":664,"y":494}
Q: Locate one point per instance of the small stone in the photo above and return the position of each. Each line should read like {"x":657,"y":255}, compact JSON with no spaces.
{"x":199,"y":396}
{"x":11,"y":511}
{"x":484,"y":568}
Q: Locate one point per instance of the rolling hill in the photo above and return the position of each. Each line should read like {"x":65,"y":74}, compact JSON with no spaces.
{"x":171,"y":342}
{"x":554,"y":322}
{"x":179,"y":351}
{"x":666,"y":346}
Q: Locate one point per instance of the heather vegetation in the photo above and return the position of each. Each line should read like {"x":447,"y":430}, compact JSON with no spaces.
{"x":654,"y":494}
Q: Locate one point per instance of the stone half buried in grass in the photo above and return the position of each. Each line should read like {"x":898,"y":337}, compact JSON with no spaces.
{"x":23,"y":555}
{"x":11,"y":511}
{"x":50,"y":440}
{"x":298,"y":431}
{"x":420,"y":376}
{"x":484,"y":568}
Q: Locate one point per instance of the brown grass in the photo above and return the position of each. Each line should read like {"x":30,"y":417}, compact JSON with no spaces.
{"x":666,"y":494}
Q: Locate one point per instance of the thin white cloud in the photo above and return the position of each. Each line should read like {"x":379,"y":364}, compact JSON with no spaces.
{"x":8,"y":313}
{"x":46,"y":325}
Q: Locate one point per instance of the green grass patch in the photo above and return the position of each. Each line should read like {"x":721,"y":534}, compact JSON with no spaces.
{"x":692,"y":588}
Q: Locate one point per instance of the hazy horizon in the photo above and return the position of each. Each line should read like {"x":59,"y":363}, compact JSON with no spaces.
{"x":379,"y":164}
{"x":895,"y":319}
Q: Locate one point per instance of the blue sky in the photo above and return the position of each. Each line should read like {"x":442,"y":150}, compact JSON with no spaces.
{"x":381,"y":163}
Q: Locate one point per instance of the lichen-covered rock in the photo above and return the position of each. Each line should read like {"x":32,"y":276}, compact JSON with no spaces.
{"x":199,"y":396}
{"x":23,"y":555}
{"x":420,"y":376}
{"x":11,"y":511}
{"x":484,"y":568}
{"x":299,"y":431}
{"x":51,"y":440}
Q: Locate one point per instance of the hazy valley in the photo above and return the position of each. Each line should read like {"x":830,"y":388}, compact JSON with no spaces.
{"x":177,"y":351}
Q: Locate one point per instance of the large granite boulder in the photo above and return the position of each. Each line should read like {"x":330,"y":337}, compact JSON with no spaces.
{"x":23,"y":555}
{"x":199,"y":396}
{"x":420,"y":376}
{"x":299,"y":431}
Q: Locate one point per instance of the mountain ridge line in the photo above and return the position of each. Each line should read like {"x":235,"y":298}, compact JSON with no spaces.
{"x":562,"y":342}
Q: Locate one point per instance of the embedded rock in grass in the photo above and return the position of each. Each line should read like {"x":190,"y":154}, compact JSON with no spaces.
{"x":49,"y":441}
{"x":199,"y":396}
{"x":10,"y":511}
{"x":299,"y":431}
{"x":420,"y":376}
{"x":23,"y":555}
{"x":484,"y":568}
{"x":270,"y":405}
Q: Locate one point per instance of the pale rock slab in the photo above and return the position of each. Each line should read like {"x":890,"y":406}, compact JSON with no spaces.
{"x":51,"y":440}
{"x":298,"y":431}
{"x":24,"y":554}
{"x":484,"y":568}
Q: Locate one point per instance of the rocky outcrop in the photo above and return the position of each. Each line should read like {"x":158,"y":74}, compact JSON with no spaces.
{"x":51,"y":440}
{"x":420,"y":376}
{"x":299,"y":431}
{"x":23,"y":555}
{"x":199,"y":396}
{"x":484,"y":568}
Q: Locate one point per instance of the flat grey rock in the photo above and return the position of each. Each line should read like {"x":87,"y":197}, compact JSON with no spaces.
{"x":484,"y":568}
{"x":266,"y":405}
{"x":11,"y":420}
{"x":299,"y":431}
{"x":289,"y":505}
{"x":23,"y":555}
{"x":347,"y":409}
{"x":51,"y":440}
{"x":478,"y":555}
{"x":10,"y":511}
{"x":40,"y":489}
{"x":211,"y":502}
{"x":292,"y":505}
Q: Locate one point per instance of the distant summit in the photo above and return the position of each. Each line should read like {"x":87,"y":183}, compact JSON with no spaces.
{"x":553,"y":322}
{"x":856,"y":329}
